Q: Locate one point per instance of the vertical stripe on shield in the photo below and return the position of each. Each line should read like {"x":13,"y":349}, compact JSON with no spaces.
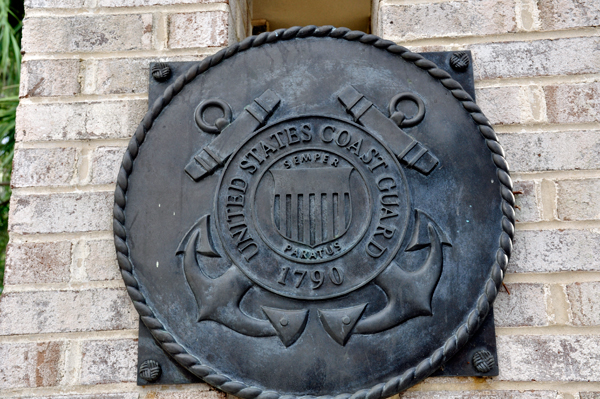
{"x":308,"y":213}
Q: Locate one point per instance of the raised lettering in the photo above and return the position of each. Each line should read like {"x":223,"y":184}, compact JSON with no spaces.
{"x":248,"y":166}
{"x":325,"y":131}
{"x":386,"y":183}
{"x":379,"y":248}
{"x":385,"y":231}
{"x":276,"y":137}
{"x":306,"y":132}
{"x":345,"y":141}
{"x":292,"y":134}
{"x":356,"y":147}
{"x":387,"y":213}
{"x":267,"y":148}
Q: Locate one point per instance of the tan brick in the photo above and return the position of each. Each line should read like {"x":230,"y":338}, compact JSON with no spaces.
{"x":500,"y":104}
{"x":198,"y":29}
{"x":448,"y":18}
{"x":58,"y":3}
{"x":106,"y":362}
{"x":83,"y":33}
{"x":584,"y":300}
{"x":58,"y":213}
{"x":44,"y":167}
{"x":79,"y":121}
{"x":481,"y":395}
{"x":106,"y":162}
{"x":37,"y":262}
{"x":239,"y":19}
{"x":565,"y":14}
{"x":45,"y":78}
{"x":578,"y":199}
{"x":525,"y":306}
{"x":530,"y":152}
{"x":129,"y":75}
{"x":536,"y":58}
{"x":101,"y":261}
{"x":589,"y":395}
{"x":129,"y":395}
{"x":139,"y":3}
{"x":66,"y":311}
{"x":201,"y":392}
{"x":573,"y":103}
{"x":122,"y":75}
{"x":549,"y":357}
{"x":553,"y":251}
{"x":31,"y":364}
{"x":528,"y":204}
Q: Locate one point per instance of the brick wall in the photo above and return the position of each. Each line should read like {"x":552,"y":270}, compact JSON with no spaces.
{"x":537,"y":77}
{"x":67,"y":327}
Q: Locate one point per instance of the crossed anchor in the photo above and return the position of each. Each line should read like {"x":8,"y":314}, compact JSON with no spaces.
{"x":409,"y":294}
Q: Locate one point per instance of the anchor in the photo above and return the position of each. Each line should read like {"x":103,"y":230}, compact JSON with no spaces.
{"x":409,"y":294}
{"x":218,"y":299}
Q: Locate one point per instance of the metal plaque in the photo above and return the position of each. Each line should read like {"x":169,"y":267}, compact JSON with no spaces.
{"x":313,"y":211}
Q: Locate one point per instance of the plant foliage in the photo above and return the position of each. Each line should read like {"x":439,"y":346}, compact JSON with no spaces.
{"x":11,"y":15}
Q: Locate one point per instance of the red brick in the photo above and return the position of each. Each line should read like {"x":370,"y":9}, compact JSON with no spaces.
{"x":31,"y":364}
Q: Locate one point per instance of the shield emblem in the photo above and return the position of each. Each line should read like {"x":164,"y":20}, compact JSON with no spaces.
{"x":312,"y":206}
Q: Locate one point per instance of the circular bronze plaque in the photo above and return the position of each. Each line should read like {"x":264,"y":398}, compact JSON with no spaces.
{"x":313,"y":211}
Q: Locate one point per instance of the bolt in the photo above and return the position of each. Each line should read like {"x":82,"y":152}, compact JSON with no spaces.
{"x":483,"y":361}
{"x":150,"y":370}
{"x":161,"y":71}
{"x":459,"y":61}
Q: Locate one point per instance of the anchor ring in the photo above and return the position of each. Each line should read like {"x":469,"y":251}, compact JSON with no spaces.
{"x":399,"y":117}
{"x":220,"y":123}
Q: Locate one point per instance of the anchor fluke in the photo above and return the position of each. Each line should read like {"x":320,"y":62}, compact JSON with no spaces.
{"x":339,"y":323}
{"x":289,"y":324}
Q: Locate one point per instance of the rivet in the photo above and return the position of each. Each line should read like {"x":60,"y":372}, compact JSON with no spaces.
{"x":483,"y":361}
{"x":161,"y":71}
{"x":284,"y":322}
{"x":459,"y":61}
{"x":346,"y":320}
{"x":150,"y":370}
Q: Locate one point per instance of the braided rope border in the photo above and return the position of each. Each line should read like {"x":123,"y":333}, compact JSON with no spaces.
{"x":410,"y":376}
